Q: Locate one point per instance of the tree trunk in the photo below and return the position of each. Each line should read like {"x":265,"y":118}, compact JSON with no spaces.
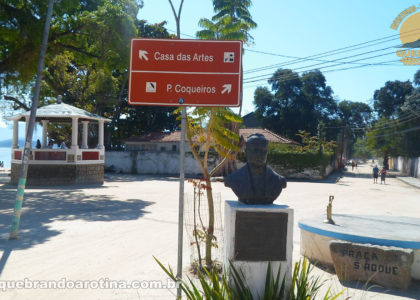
{"x":210,"y":229}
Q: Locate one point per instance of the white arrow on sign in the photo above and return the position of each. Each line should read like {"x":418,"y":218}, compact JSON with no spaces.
{"x":142,"y":54}
{"x":227,"y":88}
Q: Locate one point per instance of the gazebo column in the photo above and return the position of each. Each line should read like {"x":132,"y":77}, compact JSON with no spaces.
{"x":15,"y":134}
{"x":101,"y":134}
{"x":44,"y":133}
{"x":85,"y":134}
{"x":74,"y":133}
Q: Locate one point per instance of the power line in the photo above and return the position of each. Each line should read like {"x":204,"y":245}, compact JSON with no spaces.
{"x":299,"y":58}
{"x":390,"y":126}
{"x":283,"y":79}
{"x":247,"y":80}
{"x":323,"y":54}
{"x":398,"y":132}
{"x":397,"y":122}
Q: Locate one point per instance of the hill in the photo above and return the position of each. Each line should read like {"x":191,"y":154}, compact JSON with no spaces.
{"x":8,"y":143}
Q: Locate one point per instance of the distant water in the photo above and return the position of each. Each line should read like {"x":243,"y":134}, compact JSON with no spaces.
{"x":5,"y":156}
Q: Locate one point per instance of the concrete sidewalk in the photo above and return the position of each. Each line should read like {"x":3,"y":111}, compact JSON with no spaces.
{"x":415,"y":182}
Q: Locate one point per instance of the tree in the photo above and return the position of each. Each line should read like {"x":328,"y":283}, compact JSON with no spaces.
{"x":130,"y":120}
{"x":397,"y":131}
{"x":361,"y":150}
{"x":355,"y":114}
{"x":209,"y":132}
{"x":88,"y":49}
{"x":297,"y":102}
{"x":384,"y":139}
{"x":232,"y":21}
{"x":354,"y":118}
{"x":87,"y":63}
{"x":389,"y":99}
{"x":410,"y":120}
{"x":80,"y":26}
{"x":214,"y":128}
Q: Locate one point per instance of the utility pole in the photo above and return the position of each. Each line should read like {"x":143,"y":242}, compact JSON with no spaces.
{"x":24,"y":168}
{"x":341,"y":148}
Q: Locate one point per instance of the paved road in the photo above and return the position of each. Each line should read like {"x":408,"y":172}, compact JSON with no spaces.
{"x":111,"y":232}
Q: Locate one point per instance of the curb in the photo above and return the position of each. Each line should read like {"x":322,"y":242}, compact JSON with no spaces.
{"x":408,"y":182}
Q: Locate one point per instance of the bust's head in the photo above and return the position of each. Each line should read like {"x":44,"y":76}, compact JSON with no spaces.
{"x":256,"y":149}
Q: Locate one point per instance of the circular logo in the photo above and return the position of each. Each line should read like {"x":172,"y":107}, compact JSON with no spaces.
{"x":410,"y":32}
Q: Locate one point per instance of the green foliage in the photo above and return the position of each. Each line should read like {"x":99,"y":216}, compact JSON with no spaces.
{"x":383,"y":139}
{"x":355,"y":115}
{"x":232,"y":21}
{"x":297,"y":102}
{"x":397,"y":132}
{"x":129,"y":120}
{"x":361,"y":150}
{"x":305,"y":287}
{"x":211,"y":129}
{"x":389,"y":99}
{"x":212,"y":286}
{"x":87,"y":60}
{"x":299,"y":161}
{"x":313,"y":143}
{"x":304,"y":156}
{"x":96,"y":29}
{"x":216,"y":128}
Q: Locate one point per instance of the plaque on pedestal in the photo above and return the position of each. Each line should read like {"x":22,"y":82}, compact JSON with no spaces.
{"x":260,"y":236}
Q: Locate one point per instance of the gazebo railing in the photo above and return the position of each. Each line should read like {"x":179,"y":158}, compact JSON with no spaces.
{"x":60,"y":156}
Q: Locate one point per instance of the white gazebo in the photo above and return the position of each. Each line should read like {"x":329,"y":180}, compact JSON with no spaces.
{"x":75,"y":165}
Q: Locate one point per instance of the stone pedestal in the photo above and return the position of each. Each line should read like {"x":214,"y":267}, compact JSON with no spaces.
{"x":256,"y":235}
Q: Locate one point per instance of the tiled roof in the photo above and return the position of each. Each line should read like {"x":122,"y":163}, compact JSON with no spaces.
{"x":269,"y":135}
{"x":156,"y":137}
{"x":162,"y":137}
{"x":61,"y":111}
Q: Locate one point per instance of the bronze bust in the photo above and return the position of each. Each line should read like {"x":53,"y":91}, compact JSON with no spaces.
{"x":256,"y":183}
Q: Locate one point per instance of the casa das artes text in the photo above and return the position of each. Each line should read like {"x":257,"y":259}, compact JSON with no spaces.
{"x":183,"y":57}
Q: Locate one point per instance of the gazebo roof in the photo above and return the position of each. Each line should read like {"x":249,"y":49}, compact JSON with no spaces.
{"x":59,"y":111}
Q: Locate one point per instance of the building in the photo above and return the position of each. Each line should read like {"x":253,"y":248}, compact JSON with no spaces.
{"x":169,"y":141}
{"x":77,"y":164}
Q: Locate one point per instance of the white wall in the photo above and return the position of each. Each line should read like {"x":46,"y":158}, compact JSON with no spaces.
{"x":167,"y":163}
{"x":151,"y":162}
{"x":406,"y":165}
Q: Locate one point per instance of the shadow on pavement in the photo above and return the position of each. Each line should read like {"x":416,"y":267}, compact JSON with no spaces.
{"x":137,"y":177}
{"x":413,"y":292}
{"x":41,"y":208}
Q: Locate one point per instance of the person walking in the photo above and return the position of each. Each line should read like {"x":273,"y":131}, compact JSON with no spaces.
{"x":383,"y":174}
{"x":375,"y":174}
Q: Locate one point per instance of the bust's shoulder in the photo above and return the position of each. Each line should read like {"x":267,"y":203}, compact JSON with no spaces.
{"x":271,"y":172}
{"x":240,"y":174}
{"x":274,"y":178}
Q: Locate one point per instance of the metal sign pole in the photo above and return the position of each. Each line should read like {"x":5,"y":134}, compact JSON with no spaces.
{"x":181,"y":166}
{"x":24,"y":168}
{"x":181,"y":198}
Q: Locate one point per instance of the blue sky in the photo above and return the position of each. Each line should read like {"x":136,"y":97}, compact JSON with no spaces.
{"x":302,"y":28}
